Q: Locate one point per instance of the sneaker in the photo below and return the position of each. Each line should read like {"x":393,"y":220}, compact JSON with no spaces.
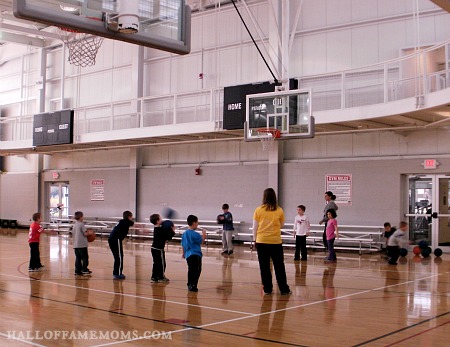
{"x":192,"y":288}
{"x":304,"y":259}
{"x":119,"y":277}
{"x":224,"y":253}
{"x":41,"y":266}
{"x":32,"y":270}
{"x":230,"y":252}
{"x":154,"y":280}
{"x":86,"y":272}
{"x":269,"y":293}
{"x":164,"y":279}
{"x":78,"y":273}
{"x":289,"y":292}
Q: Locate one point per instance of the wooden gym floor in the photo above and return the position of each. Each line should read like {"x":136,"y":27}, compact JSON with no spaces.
{"x":360,"y":301}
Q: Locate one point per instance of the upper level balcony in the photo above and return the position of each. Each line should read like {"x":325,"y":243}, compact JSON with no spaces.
{"x":407,"y":93}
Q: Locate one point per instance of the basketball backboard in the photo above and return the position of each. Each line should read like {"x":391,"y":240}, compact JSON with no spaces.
{"x":163,"y":24}
{"x":290,"y":112}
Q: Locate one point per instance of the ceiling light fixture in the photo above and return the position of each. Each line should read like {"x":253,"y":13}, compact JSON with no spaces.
{"x":69,"y":8}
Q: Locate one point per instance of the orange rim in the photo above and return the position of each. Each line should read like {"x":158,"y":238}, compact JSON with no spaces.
{"x":69,"y":30}
{"x":265,"y":131}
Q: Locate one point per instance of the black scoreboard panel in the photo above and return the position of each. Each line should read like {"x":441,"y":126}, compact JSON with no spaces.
{"x":53,"y":128}
{"x":235,"y":103}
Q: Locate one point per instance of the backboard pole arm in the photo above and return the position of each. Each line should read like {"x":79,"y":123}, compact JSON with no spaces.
{"x":277,"y":83}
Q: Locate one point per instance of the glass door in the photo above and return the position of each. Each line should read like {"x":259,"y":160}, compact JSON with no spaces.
{"x":420,"y":208}
{"x":441,"y":214}
{"x":58,"y":200}
{"x":428,"y":210}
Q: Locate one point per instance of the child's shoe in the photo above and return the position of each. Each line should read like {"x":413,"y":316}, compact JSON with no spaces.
{"x":192,"y":288}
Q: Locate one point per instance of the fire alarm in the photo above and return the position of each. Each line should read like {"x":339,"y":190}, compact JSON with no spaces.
{"x":198,"y":171}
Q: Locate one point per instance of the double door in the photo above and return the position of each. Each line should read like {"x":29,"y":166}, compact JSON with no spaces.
{"x":429,"y":210}
{"x":58,"y":200}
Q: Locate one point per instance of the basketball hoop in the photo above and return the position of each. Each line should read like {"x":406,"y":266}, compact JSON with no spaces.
{"x":268,"y":136}
{"x":82,"y":47}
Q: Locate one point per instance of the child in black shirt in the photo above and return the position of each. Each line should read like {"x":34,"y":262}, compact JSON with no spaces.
{"x":163,"y":231}
{"x":119,"y":232}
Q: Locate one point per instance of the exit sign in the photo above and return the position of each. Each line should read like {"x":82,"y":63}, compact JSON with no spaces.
{"x":430,"y":164}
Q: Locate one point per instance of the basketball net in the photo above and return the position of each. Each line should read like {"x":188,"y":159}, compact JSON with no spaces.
{"x":83,"y":48}
{"x":267,"y":137}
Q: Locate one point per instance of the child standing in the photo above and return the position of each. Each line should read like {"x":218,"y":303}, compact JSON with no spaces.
{"x":396,"y":241}
{"x":119,"y":232}
{"x":330,"y":204}
{"x":227,"y":233}
{"x":161,"y":234}
{"x":80,"y":245}
{"x":332,"y":234}
{"x":302,"y":228}
{"x":34,"y":236}
{"x":192,"y":252}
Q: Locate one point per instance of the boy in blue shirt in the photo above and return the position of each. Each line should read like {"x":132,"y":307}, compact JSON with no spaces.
{"x":192,"y":252}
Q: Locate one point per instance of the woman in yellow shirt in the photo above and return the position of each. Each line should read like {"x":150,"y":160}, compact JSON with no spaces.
{"x":268,"y":219}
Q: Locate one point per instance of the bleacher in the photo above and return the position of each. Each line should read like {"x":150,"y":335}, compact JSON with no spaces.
{"x":140,"y":230}
{"x":351,"y":237}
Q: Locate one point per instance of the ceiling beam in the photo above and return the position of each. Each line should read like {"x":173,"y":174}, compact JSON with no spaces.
{"x":409,"y":120}
{"x":21,"y":39}
{"x":39,"y":33}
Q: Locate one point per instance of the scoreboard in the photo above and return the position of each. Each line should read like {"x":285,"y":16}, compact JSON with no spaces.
{"x":53,"y":128}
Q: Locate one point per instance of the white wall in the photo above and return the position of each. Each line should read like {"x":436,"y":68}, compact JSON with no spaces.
{"x":237,"y":173}
{"x":331,"y":35}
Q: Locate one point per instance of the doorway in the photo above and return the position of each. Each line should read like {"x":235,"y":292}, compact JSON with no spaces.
{"x":429,"y":210}
{"x":58,"y":200}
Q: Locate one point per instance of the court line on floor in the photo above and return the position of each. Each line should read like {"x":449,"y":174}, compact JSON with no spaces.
{"x":129,"y":295}
{"x":418,"y":334}
{"x":201,"y":327}
{"x":407,"y":328}
{"x":249,"y":315}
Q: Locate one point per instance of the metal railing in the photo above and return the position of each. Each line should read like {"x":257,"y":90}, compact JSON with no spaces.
{"x":415,"y":75}
{"x":418,"y":74}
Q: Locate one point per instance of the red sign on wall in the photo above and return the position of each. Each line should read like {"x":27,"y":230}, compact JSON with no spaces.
{"x":97,"y":190}
{"x":430,"y":164}
{"x":341,"y":186}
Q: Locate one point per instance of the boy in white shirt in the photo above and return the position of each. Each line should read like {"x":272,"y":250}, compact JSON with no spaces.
{"x":302,"y":229}
{"x":399,"y":239}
